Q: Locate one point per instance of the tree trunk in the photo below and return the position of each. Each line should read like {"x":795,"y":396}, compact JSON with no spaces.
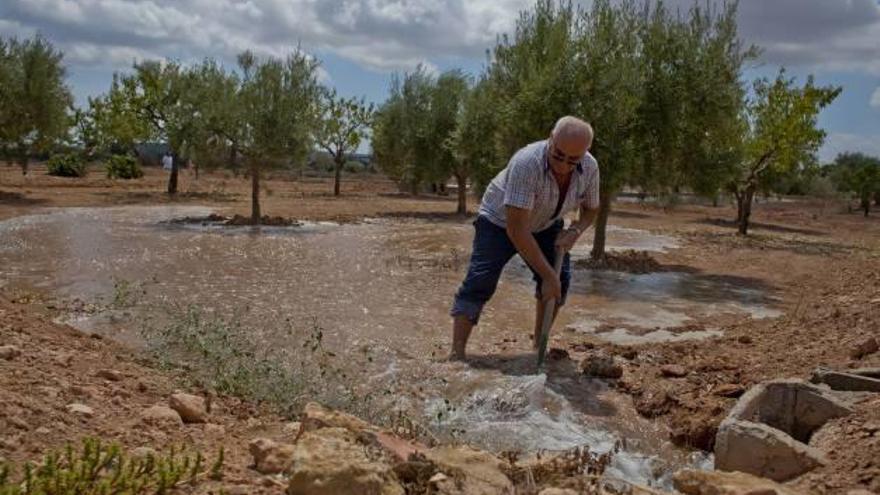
{"x":338,"y":180}
{"x":866,"y":204}
{"x":255,"y":195}
{"x":601,"y":225}
{"x":172,"y":180}
{"x":196,"y":170}
{"x":745,"y":209}
{"x":461,"y":179}
{"x":23,"y":161}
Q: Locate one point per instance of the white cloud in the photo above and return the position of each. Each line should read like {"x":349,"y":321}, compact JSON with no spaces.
{"x":875,"y":98}
{"x":841,"y":142}
{"x":376,"y":34}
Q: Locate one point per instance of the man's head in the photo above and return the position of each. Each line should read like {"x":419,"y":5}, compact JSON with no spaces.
{"x":569,"y":141}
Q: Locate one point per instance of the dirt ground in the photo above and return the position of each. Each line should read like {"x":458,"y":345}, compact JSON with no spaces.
{"x":820,"y":262}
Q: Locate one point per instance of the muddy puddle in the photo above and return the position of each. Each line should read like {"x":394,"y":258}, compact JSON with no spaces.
{"x":386,"y":285}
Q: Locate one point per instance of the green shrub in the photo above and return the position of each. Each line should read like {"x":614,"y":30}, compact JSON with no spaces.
{"x":66,"y":165}
{"x":99,"y":469}
{"x":123,"y":167}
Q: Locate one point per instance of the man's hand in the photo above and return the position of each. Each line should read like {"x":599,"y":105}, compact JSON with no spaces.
{"x":567,"y":238}
{"x":551,"y":288}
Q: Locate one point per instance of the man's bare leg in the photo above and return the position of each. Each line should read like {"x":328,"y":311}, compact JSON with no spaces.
{"x":539,"y":320}
{"x":461,"y":331}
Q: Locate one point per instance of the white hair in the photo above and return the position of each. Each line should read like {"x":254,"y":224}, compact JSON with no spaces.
{"x":573,"y":127}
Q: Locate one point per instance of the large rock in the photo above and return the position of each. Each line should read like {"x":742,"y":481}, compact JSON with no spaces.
{"x":190,"y":407}
{"x":475,"y":472}
{"x":693,"y":482}
{"x":766,"y":432}
{"x":270,"y":457}
{"x":851,"y":381}
{"x":864,"y":347}
{"x":601,"y":365}
{"x":161,"y":416}
{"x":330,"y":460}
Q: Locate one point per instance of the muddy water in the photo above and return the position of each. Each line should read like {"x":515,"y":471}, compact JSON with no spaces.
{"x":386,"y":285}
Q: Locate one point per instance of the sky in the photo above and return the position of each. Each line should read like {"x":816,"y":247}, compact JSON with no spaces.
{"x":360,"y":43}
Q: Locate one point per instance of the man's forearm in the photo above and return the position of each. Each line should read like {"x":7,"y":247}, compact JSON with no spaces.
{"x":528,"y":249}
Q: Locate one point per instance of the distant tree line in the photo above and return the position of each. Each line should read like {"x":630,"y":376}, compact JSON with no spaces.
{"x":664,"y":90}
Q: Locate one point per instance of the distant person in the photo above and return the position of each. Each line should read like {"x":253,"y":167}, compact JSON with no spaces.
{"x":167,"y":161}
{"x":522,"y":212}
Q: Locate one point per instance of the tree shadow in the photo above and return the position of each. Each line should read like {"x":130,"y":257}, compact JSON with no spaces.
{"x":431,"y":216}
{"x":629,"y":214}
{"x":563,"y":377}
{"x":19,"y":199}
{"x":724,"y":222}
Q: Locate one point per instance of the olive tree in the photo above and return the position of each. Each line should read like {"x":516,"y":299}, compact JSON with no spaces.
{"x":342,"y":126}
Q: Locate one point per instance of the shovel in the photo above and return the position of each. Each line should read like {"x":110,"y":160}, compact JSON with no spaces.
{"x":549,"y":309}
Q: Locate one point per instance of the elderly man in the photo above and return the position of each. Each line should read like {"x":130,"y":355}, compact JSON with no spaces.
{"x":522,"y":212}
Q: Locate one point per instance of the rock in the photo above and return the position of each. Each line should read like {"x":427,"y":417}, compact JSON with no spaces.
{"x":673,"y":370}
{"x":316,"y":416}
{"x":80,"y":409}
{"x":142,"y":387}
{"x":42,"y":431}
{"x":731,"y":390}
{"x":601,"y":365}
{"x":475,"y":471}
{"x":63,"y":359}
{"x":864,"y":347}
{"x":694,"y":431}
{"x":190,"y":407}
{"x":557,"y":491}
{"x":112,"y":375}
{"x":159,"y":415}
{"x":437,"y":478}
{"x":764,"y":433}
{"x":270,"y":457}
{"x":848,"y":381}
{"x":85,"y":391}
{"x":693,"y":482}
{"x":329,"y":460}
{"x":744,"y":339}
{"x":143,"y":453}
{"x":9,"y":352}
{"x":238,"y":490}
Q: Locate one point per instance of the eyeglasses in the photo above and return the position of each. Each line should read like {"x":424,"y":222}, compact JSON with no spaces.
{"x":558,"y":155}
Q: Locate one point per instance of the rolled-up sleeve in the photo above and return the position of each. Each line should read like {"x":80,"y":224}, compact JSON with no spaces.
{"x":522,"y":182}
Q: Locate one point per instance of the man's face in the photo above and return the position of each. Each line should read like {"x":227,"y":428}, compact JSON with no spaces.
{"x":565,"y":153}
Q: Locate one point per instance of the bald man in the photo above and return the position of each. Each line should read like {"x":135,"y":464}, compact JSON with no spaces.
{"x":522,"y":212}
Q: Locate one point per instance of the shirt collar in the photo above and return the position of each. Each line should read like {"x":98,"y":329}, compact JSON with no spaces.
{"x":580,"y":165}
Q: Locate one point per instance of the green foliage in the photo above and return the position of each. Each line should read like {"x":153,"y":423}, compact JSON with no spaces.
{"x":857,"y":174}
{"x":34,"y":100}
{"x":67,"y":165}
{"x":781,"y":137}
{"x":341,"y":127}
{"x":99,"y":469}
{"x":474,"y":154}
{"x":123,"y":167}
{"x":225,"y":355}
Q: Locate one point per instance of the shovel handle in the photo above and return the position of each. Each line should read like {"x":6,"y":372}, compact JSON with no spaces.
{"x":549,"y":309}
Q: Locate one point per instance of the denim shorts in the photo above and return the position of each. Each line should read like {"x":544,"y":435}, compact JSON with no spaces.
{"x":491,"y":251}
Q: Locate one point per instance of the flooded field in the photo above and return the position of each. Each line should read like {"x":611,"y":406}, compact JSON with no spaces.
{"x":384,"y":287}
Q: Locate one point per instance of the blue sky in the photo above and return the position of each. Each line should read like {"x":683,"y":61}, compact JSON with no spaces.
{"x":361,"y":42}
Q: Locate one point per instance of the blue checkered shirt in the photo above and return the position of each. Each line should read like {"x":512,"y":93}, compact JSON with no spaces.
{"x":527,"y":182}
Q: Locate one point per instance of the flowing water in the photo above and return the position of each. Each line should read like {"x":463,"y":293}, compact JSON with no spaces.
{"x":386,"y":285}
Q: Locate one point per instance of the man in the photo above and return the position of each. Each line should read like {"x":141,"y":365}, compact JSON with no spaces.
{"x":167,"y":161}
{"x":522,"y":212}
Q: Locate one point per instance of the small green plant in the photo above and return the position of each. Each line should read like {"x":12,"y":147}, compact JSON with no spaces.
{"x":101,"y":469}
{"x":123,"y":167}
{"x":126,"y":294}
{"x":66,"y":165}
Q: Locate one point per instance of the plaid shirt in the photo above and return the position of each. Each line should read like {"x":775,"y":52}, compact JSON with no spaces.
{"x":528,"y":183}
